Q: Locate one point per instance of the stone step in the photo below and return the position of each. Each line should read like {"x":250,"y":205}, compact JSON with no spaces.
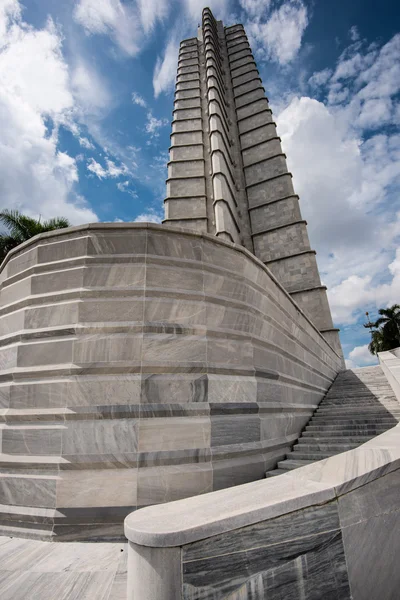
{"x":335,"y":420}
{"x":289,"y":463}
{"x":311,"y":456}
{"x":362,"y":429}
{"x":332,"y":439}
{"x":337,"y":437}
{"x":378,"y":409}
{"x":334,"y":448}
{"x":275,"y":472}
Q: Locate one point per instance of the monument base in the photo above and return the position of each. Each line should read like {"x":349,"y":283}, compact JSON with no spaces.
{"x":139,"y":365}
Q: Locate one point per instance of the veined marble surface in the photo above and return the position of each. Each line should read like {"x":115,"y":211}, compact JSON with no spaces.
{"x":34,"y":570}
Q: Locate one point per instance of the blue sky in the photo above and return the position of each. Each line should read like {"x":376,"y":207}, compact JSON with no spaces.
{"x":86,"y":91}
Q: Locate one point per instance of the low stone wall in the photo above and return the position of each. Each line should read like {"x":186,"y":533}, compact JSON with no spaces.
{"x":390,"y":363}
{"x":141,"y":364}
{"x":330,"y":530}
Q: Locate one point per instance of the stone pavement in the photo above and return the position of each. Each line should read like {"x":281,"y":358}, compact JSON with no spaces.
{"x":35,"y":570}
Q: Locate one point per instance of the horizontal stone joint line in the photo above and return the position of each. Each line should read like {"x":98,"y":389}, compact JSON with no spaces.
{"x":301,"y":221}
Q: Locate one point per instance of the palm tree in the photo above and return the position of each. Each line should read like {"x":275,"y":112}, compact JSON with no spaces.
{"x":386,"y":334}
{"x":390,"y":320}
{"x":20,"y":228}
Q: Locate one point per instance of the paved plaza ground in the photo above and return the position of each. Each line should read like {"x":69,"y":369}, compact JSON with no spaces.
{"x":35,"y":570}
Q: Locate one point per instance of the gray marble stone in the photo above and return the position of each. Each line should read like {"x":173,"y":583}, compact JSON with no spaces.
{"x":313,"y":566}
{"x":161,"y":572}
{"x":370,"y":518}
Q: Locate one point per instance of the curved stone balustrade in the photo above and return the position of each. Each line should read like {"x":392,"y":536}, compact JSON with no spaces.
{"x":141,"y":364}
{"x":327,"y":530}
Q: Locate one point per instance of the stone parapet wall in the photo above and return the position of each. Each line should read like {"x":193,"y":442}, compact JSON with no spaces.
{"x":327,"y":530}
{"x":141,"y":364}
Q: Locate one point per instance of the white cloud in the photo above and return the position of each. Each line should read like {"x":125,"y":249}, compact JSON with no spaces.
{"x":279,"y":38}
{"x":151,"y":11}
{"x":123,"y":186}
{"x":85,"y":143}
{"x":152,"y":216}
{"x":10,"y":10}
{"x":343,"y":182}
{"x":35,"y":96}
{"x":354,"y":33}
{"x":114,"y":18}
{"x":153,"y":125}
{"x":165,"y":68}
{"x":110,"y":171}
{"x":126,"y":23}
{"x":360,"y":355}
{"x":320,"y":78}
{"x":194,"y":8}
{"x":255,"y":8}
{"x":89,"y":89}
{"x":139,"y":100}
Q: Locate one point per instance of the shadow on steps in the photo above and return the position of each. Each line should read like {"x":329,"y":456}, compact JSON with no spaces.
{"x":358,"y":406}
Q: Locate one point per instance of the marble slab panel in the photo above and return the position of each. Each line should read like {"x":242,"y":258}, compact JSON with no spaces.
{"x":52,"y":315}
{"x":45,"y":353}
{"x":117,"y":242}
{"x":114,"y":276}
{"x":101,"y":437}
{"x":108,"y":348}
{"x":174,"y":433}
{"x":27,"y":490}
{"x":234,"y":429}
{"x":311,"y":567}
{"x":279,"y":425}
{"x":177,"y":246}
{"x":174,"y":277}
{"x":97,"y":487}
{"x":174,"y":310}
{"x":171,"y":349}
{"x":227,"y":473}
{"x":231,"y":388}
{"x":103,"y":310}
{"x":174,"y":388}
{"x":370,"y":518}
{"x":37,"y":440}
{"x":165,"y":484}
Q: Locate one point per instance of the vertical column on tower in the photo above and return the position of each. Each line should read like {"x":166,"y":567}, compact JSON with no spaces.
{"x":186,"y":203}
{"x":221,"y":134}
{"x":279,"y":233}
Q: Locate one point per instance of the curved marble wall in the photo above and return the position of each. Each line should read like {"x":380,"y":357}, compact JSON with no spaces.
{"x":141,"y":364}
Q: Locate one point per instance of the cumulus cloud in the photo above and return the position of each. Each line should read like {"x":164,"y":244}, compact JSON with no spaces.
{"x":111,"y":170}
{"x":152,"y":11}
{"x":360,"y":356}
{"x":126,"y":23}
{"x":85,"y":143}
{"x":113,"y":18}
{"x":279,"y":37}
{"x":165,"y":68}
{"x":35,"y":97}
{"x":152,"y":216}
{"x":348,"y":177}
{"x":255,"y":8}
{"x":193,"y":8}
{"x":153,"y":125}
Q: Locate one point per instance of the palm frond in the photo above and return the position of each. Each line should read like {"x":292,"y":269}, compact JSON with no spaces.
{"x":56,"y":223}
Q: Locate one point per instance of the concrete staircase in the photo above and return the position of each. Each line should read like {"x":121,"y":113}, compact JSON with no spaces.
{"x":359,"y":406}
